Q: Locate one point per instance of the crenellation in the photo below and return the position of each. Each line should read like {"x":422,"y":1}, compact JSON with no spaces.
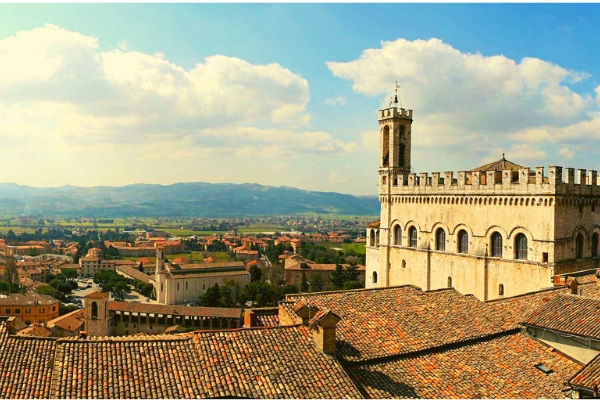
{"x":581,"y":175}
{"x":411,"y":179}
{"x":539,"y":176}
{"x":506,"y":178}
{"x":555,"y":175}
{"x":593,"y":178}
{"x":570,"y":177}
{"x":423,"y":180}
{"x":496,"y":182}
{"x":523,"y":177}
{"x":448,"y":178}
{"x":435,"y":179}
{"x":462,"y":178}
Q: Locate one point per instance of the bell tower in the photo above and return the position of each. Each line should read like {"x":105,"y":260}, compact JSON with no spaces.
{"x":394,"y":143}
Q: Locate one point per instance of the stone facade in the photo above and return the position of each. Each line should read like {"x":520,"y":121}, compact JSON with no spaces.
{"x":498,"y":230}
{"x":185,"y":283}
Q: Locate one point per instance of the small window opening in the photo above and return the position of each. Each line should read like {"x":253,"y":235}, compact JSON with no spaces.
{"x":545,"y":369}
{"x":545,"y":257}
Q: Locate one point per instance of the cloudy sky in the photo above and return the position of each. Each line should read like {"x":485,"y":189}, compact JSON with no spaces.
{"x":287,"y":94}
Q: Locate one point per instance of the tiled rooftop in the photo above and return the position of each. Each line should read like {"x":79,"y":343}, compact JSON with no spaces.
{"x":280,"y":362}
{"x":571,"y":314}
{"x":589,"y":377}
{"x":27,"y":299}
{"x":518,"y":308}
{"x":147,"y":308}
{"x":126,"y":368}
{"x":503,"y":367}
{"x":382,"y":322}
{"x":25,"y":366}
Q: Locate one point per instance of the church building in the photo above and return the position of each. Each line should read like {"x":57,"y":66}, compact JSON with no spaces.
{"x":494,"y":231}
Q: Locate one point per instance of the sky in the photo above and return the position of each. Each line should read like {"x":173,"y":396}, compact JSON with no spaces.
{"x":287,"y":94}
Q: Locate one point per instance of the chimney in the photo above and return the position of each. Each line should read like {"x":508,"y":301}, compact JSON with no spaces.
{"x":305,"y":310}
{"x":573,"y":284}
{"x":322,"y":328}
{"x":249,"y":318}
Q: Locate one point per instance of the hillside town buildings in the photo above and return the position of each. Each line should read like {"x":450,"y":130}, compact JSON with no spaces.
{"x":297,"y":268}
{"x":497,"y":230}
{"x":394,"y":342}
{"x":29,"y":307}
{"x":184,"y":283}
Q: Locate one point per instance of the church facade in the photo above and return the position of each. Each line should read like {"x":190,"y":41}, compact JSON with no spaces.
{"x":495,"y":231}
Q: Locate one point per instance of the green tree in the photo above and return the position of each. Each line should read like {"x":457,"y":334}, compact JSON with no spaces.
{"x":119,"y":289}
{"x":352,"y":273}
{"x":338,"y":276}
{"x":255,"y":273}
{"x":316,"y":282}
{"x":69,"y":273}
{"x":304,"y":283}
{"x":10,"y":271}
{"x":49,"y":290}
{"x":212,"y":297}
{"x":352,"y":285}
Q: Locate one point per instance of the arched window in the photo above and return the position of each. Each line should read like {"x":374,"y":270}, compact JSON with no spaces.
{"x":440,"y":239}
{"x":579,"y":246}
{"x":521,"y":247}
{"x":500,"y":290}
{"x":374,"y":277}
{"x":595,"y":245}
{"x":397,"y":235}
{"x":401,"y":151}
{"x":94,"y":310}
{"x":412,"y":233}
{"x":449,"y":281}
{"x":403,"y":263}
{"x":372,"y":238}
{"x":385,"y":151}
{"x":496,"y":244}
{"x":463,"y":241}
{"x":377,"y":238}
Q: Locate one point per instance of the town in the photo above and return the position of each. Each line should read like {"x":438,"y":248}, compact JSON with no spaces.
{"x":295,"y":201}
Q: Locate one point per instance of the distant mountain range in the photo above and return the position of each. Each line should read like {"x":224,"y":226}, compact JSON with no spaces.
{"x":196,"y":199}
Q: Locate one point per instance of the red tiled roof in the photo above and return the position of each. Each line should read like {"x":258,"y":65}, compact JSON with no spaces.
{"x":280,"y":362}
{"x":501,"y":367}
{"x":588,"y":377}
{"x":25,"y":366}
{"x":69,"y":322}
{"x":382,"y":322}
{"x":220,"y":312}
{"x":374,"y":224}
{"x":570,"y":314}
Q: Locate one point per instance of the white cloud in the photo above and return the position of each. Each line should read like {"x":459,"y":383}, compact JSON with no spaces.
{"x":472,"y":105}
{"x":336,"y":101}
{"x":59,"y":88}
{"x":337,"y":178}
{"x":566,"y":153}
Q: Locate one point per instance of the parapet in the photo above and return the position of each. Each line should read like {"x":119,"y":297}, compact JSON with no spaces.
{"x":558,"y":181}
{"x":395,"y":112}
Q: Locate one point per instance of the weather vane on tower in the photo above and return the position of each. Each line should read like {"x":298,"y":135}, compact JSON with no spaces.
{"x":394,"y":99}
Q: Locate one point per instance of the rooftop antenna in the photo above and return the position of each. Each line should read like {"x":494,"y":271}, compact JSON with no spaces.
{"x":394,"y":100}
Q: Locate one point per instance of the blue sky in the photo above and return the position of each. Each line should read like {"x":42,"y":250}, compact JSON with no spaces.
{"x":286,"y":94}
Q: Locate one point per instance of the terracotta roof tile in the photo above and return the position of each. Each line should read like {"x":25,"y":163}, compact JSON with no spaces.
{"x":280,"y":362}
{"x":502,"y":367}
{"x":588,"y":377}
{"x":570,"y":314}
{"x":148,"y":308}
{"x":25,"y":366}
{"x":382,"y":322}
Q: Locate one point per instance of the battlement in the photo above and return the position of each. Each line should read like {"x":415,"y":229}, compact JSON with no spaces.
{"x":395,"y":112}
{"x":524,"y":181}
